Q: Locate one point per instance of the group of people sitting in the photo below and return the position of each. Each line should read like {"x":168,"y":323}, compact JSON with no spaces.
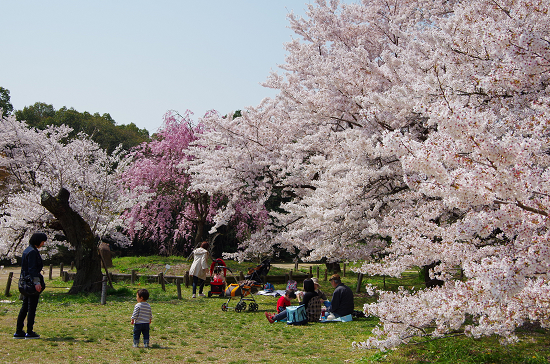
{"x":313,"y":299}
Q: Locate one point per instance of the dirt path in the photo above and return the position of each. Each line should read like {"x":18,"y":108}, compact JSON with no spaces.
{"x":290,"y":266}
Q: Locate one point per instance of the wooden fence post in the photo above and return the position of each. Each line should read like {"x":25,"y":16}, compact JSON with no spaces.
{"x":241,"y":275}
{"x":290,"y":275}
{"x":133,"y":277}
{"x":61,"y":269}
{"x":326,"y":274}
{"x":65,"y":276}
{"x":161,"y":281}
{"x":317,"y":272}
{"x":104,"y":290}
{"x":8,"y":284}
{"x":310,"y":271}
{"x":186,"y":279}
{"x":178,"y":285}
{"x":72,"y":265}
{"x":344,"y":269}
{"x":51,"y":270}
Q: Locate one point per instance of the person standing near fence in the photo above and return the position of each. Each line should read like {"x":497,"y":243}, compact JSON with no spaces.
{"x":31,"y":264}
{"x":199,"y":268}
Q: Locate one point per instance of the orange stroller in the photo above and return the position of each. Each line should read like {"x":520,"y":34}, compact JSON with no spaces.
{"x":242,"y":290}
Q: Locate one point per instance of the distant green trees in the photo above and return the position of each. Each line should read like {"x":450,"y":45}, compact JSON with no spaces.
{"x":5,"y":103}
{"x":102,"y":128}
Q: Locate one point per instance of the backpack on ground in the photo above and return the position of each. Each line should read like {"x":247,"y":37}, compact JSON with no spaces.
{"x":291,"y":285}
{"x":296,"y":315}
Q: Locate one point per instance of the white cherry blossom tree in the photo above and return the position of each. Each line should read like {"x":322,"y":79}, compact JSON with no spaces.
{"x":58,"y":185}
{"x":407,"y":134}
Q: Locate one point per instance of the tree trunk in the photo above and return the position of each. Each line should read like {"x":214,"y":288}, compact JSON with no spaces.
{"x":333,"y":267}
{"x":199,"y":236}
{"x":200,"y":202}
{"x":79,"y":235}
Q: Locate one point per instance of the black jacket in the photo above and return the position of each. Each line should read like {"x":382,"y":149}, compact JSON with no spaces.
{"x":32,"y":264}
{"x":342,"y":301}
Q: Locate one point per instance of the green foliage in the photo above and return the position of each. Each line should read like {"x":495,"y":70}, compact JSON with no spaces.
{"x":5,"y":103}
{"x":101,"y":128}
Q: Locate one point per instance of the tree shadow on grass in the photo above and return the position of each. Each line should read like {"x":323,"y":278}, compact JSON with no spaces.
{"x":62,"y":338}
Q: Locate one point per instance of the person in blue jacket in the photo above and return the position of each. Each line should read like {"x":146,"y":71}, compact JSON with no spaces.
{"x":342,"y":297}
{"x":31,"y":264}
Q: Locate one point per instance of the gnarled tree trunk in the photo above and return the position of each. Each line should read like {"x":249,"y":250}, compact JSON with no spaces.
{"x":79,"y":235}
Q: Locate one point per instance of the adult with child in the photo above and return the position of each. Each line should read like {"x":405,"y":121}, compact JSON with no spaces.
{"x":342,"y":298}
{"x":199,"y":268}
{"x":31,"y":265}
{"x":282,"y":303}
{"x":141,"y":318}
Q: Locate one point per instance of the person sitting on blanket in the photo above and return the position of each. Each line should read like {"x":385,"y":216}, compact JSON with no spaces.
{"x":342,"y":298}
{"x":282,"y":303}
{"x":320,"y":293}
{"x":311,"y":300}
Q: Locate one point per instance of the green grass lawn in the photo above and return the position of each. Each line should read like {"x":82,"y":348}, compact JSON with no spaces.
{"x":78,"y":329}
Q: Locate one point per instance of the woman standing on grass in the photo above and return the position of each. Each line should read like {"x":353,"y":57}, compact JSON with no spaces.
{"x":199,"y":268}
{"x":31,"y":264}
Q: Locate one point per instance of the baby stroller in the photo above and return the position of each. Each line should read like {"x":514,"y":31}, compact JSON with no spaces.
{"x":242,"y":290}
{"x":260,"y":270}
{"x":253,"y":281}
{"x":218,"y":271}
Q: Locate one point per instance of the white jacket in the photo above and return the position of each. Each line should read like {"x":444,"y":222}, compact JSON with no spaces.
{"x":199,"y":266}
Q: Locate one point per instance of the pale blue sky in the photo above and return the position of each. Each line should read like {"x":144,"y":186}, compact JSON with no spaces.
{"x":137,"y":59}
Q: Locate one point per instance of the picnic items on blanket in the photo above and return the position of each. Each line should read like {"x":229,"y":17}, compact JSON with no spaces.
{"x":332,"y":318}
{"x":275,"y":293}
{"x":268,"y":287}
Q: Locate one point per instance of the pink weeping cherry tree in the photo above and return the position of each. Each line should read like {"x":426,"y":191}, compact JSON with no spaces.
{"x":175,"y":212}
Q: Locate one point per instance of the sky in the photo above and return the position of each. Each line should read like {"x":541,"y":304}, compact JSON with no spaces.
{"x":137,"y":59}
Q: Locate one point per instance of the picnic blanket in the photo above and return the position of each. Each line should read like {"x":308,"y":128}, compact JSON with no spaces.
{"x":346,"y":318}
{"x":275,"y":293}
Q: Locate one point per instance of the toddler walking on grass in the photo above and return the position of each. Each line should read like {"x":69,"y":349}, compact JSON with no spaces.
{"x":141,"y":318}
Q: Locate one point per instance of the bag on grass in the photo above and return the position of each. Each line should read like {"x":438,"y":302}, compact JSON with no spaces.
{"x":296,"y":315}
{"x":291,"y":284}
{"x":268,"y":287}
